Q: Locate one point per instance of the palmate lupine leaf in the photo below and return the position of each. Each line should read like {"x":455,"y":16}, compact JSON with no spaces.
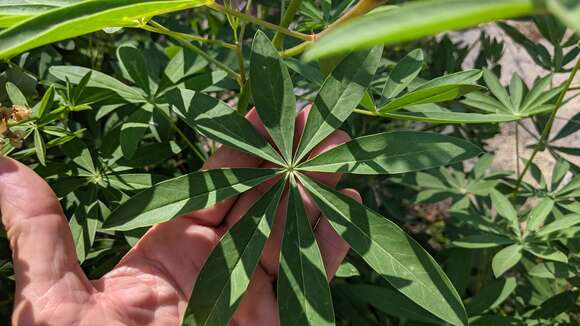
{"x":273,"y":93}
{"x":392,"y":152}
{"x":390,"y":252}
{"x":82,"y":18}
{"x":227,"y":272}
{"x":302,"y":289}
{"x":341,"y":92}
{"x":220,"y":122}
{"x":184,"y":194}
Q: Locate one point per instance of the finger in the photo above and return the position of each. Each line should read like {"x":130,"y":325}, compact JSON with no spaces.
{"x":40,"y":238}
{"x":332,"y":247}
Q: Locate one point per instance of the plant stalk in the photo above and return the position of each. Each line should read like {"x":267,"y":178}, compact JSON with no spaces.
{"x":548,"y":127}
{"x":257,"y":21}
{"x":189,"y":36}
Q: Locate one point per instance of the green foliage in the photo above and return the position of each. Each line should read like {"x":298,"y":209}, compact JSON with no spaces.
{"x":118,"y":104}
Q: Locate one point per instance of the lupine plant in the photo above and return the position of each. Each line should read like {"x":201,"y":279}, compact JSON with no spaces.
{"x":117,"y":104}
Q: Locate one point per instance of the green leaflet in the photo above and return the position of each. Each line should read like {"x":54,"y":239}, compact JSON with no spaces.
{"x":390,"y":252}
{"x":82,"y":18}
{"x":392,"y":152}
{"x":226,"y":274}
{"x":218,"y":121}
{"x":403,"y":74}
{"x":434,"y":115}
{"x":302,"y":289}
{"x":546,"y":252}
{"x":184,"y":194}
{"x":391,"y":302}
{"x":491,"y":296}
{"x":40,"y":147}
{"x":552,"y":270}
{"x":433,"y":94}
{"x":273,"y":93}
{"x":13,"y":12}
{"x":134,"y":128}
{"x":414,"y":20}
{"x":341,"y":92}
{"x":483,"y":240}
{"x":99,"y":80}
{"x":538,"y":214}
{"x":505,"y":209}
{"x":506,"y":258}
{"x":558,"y":225}
{"x":465,"y":77}
{"x":133,"y":62}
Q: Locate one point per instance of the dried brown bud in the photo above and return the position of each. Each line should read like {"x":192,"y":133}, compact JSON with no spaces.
{"x":5,"y":112}
{"x":3,"y":126}
{"x":16,"y":138}
{"x":20,"y":112}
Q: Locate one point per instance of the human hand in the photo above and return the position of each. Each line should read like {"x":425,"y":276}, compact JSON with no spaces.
{"x":151,"y":285}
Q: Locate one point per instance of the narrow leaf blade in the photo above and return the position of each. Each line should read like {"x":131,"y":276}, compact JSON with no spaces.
{"x":341,"y":92}
{"x":303,"y":292}
{"x":273,"y":93}
{"x":392,"y":152}
{"x":184,"y":194}
{"x":218,"y":121}
{"x":390,"y":252}
{"x":225,"y":276}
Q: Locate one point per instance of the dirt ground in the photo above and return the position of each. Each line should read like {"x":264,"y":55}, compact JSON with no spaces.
{"x":516,"y":60}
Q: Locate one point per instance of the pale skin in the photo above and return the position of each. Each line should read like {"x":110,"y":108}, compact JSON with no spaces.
{"x":151,"y":285}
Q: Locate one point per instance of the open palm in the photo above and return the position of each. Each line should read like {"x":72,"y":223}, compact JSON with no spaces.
{"x":151,"y":285}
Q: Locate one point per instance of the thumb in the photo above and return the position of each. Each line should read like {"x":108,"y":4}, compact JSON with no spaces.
{"x":39,"y":235}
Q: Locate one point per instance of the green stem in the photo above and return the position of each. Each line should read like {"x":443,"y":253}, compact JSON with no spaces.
{"x":298,"y":49}
{"x":181,"y":134}
{"x":189,"y":36}
{"x":286,"y":20}
{"x":548,"y":127}
{"x":158,"y":28}
{"x":365,"y":112}
{"x":257,"y":21}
